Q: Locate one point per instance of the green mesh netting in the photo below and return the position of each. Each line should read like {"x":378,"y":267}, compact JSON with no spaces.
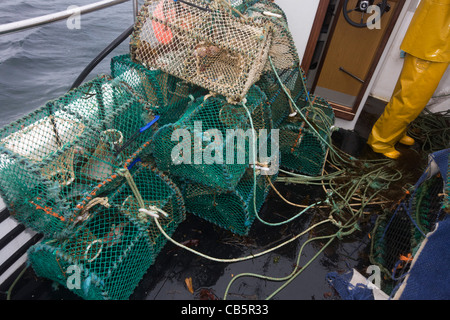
{"x":280,"y":104}
{"x":233,"y":210}
{"x":397,"y":235}
{"x":52,"y":158}
{"x":302,"y":150}
{"x":167,"y":95}
{"x":116,"y":244}
{"x":205,"y":144}
{"x":282,"y":47}
{"x":284,"y":56}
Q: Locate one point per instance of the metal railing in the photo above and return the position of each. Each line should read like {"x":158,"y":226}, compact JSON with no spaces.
{"x":57,"y":16}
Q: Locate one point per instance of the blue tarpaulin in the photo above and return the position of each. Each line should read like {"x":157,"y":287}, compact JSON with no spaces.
{"x":429,"y":276}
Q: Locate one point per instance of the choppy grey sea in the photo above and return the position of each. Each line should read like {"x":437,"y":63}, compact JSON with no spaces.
{"x":40,"y":64}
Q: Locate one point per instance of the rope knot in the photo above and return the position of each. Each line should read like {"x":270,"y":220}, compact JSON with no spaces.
{"x":153,"y":211}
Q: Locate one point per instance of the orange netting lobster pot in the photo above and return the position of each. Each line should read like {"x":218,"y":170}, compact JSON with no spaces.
{"x":207,"y":43}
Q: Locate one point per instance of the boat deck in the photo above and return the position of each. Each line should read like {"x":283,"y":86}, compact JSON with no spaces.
{"x":166,"y":278}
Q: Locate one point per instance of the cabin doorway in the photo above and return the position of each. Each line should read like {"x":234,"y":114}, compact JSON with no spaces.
{"x":344,"y":48}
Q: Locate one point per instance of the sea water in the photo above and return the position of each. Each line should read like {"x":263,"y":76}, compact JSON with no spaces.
{"x":41,"y":64}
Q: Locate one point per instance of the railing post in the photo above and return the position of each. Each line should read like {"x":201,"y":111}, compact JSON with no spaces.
{"x":135,"y":8}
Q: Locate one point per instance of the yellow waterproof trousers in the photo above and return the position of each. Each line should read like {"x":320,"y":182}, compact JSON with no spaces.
{"x":415,"y":87}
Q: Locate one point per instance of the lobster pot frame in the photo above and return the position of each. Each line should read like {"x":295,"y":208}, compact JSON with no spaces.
{"x":210,"y":143}
{"x":109,"y":265}
{"x":53,"y":157}
{"x":302,"y":150}
{"x":203,"y":43}
{"x":167,"y":95}
{"x":115,"y":246}
{"x":232,"y":210}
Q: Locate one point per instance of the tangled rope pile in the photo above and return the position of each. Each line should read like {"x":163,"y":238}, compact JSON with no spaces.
{"x":350,"y":188}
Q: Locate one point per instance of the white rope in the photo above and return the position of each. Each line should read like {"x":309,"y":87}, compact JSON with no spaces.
{"x":156,"y":217}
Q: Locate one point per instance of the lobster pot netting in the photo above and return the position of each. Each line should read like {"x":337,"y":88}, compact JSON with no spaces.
{"x":284,"y":60}
{"x":232,"y":210}
{"x":283,"y":51}
{"x":155,"y":190}
{"x":203,"y":43}
{"x":398,"y":235}
{"x":112,"y":250}
{"x":280,"y":105}
{"x":52,"y":158}
{"x":167,"y":95}
{"x":235,"y":209}
{"x":304,"y":146}
{"x":210,"y":142}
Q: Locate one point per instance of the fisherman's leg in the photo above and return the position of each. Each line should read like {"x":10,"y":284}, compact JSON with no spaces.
{"x":415,"y":87}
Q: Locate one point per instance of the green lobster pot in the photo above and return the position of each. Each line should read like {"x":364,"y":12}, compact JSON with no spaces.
{"x":233,"y":210}
{"x":209,"y":144}
{"x":104,"y":260}
{"x":400,"y":233}
{"x":303,"y":148}
{"x":109,"y":253}
{"x":166,"y":95}
{"x":53,"y":157}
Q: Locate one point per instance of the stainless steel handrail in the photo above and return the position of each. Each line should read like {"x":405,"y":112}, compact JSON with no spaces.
{"x":57,"y":16}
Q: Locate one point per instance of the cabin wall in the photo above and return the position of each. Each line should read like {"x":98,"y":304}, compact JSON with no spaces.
{"x":300,"y":16}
